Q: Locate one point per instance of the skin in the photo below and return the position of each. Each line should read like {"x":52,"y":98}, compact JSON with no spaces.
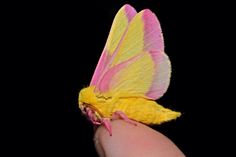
{"x":128,"y":140}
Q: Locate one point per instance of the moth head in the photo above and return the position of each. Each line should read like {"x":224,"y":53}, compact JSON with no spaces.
{"x":86,"y":96}
{"x":87,"y":102}
{"x":91,"y":112}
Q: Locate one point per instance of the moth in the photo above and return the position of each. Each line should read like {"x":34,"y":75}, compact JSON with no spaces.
{"x":132,"y":72}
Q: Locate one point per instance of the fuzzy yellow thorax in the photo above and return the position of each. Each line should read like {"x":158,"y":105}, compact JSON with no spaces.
{"x":100,"y":103}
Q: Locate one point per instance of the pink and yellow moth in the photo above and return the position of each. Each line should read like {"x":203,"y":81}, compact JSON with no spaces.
{"x":132,"y":72}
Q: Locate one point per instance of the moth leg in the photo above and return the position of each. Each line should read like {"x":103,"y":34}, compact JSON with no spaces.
{"x":89,"y":113}
{"x":123,"y":116}
{"x":92,"y":117}
{"x":107,"y":124}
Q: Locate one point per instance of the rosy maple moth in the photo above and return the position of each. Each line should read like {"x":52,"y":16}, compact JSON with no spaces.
{"x":133,"y":71}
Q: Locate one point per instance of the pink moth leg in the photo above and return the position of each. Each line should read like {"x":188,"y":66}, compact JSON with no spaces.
{"x":123,"y":116}
{"x":107,"y":124}
{"x":91,"y":116}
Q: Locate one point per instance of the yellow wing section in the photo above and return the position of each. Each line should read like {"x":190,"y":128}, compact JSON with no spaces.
{"x":133,"y":42}
{"x":117,"y":32}
{"x":119,"y":26}
{"x":135,"y":78}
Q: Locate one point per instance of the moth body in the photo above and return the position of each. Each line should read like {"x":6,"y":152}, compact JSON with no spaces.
{"x":136,"y":108}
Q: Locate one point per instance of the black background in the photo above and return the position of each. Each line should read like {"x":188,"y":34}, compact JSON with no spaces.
{"x":55,"y":51}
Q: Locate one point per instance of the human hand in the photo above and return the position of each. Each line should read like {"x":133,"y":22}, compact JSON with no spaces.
{"x":128,"y":140}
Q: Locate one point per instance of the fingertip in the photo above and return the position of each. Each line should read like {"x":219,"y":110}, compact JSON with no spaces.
{"x":130,"y":140}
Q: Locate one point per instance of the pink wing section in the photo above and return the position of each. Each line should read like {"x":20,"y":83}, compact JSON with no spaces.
{"x":129,"y":13}
{"x":103,"y":61}
{"x":153,"y":39}
{"x":154,"y":43}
